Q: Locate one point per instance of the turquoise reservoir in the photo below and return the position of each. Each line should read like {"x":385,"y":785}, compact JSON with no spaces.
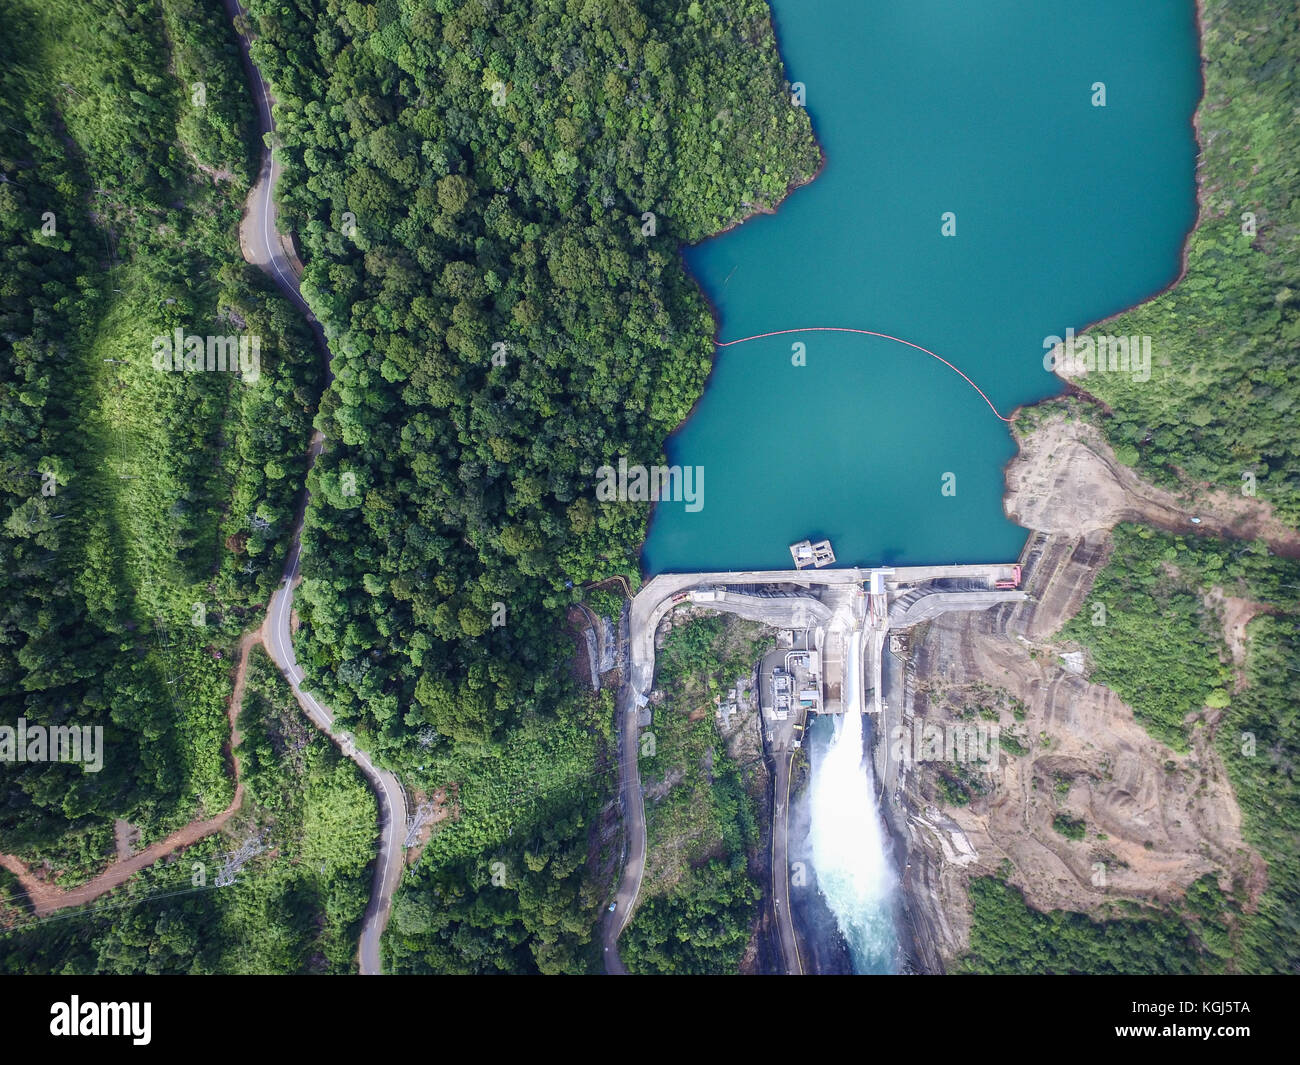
{"x":1065,"y":213}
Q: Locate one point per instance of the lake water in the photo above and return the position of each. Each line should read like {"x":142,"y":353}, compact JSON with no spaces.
{"x":1065,"y":213}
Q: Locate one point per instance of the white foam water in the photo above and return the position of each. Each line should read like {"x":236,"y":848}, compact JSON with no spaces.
{"x":849,"y":851}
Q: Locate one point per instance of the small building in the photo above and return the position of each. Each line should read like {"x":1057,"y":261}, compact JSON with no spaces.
{"x":806,"y":553}
{"x":878,"y":577}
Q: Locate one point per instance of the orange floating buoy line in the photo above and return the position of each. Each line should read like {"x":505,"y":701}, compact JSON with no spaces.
{"x":868,"y":333}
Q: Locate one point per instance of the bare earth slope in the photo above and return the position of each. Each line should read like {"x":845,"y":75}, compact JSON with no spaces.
{"x":1156,"y":820}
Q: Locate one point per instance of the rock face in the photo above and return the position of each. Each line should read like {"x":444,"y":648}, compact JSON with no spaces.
{"x":1066,"y":479}
{"x":1154,"y":820}
{"x":1060,"y":484}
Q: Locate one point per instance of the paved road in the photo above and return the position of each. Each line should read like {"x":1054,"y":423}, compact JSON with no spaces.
{"x":781,"y":863}
{"x":258,"y":235}
{"x":648,"y":608}
{"x":388,"y":866}
{"x":633,"y":807}
{"x":262,"y":246}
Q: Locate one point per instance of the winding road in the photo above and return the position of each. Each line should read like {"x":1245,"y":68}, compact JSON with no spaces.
{"x":655,"y":599}
{"x":263,"y":247}
{"x":633,"y":807}
{"x":278,"y":641}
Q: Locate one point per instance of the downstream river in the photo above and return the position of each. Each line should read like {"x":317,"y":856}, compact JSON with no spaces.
{"x":1065,"y":212}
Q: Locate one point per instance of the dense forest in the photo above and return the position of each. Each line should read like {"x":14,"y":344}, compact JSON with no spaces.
{"x":473,"y":184}
{"x":699,"y":894}
{"x":471,"y":175}
{"x":489,"y":197}
{"x":1009,"y":937}
{"x":509,"y":882}
{"x":145,"y":514}
{"x":307,"y":834}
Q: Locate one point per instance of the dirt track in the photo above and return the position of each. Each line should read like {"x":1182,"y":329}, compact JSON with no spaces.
{"x":46,"y":897}
{"x":1067,"y":480}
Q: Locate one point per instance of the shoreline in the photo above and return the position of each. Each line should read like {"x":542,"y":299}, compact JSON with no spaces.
{"x":1074,"y":387}
{"x":1198,"y":218}
{"x":756,"y":212}
{"x":1070,"y":386}
{"x":714,"y":313}
{"x":790,"y":188}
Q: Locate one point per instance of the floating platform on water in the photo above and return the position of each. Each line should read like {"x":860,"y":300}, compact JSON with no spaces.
{"x":806,"y":553}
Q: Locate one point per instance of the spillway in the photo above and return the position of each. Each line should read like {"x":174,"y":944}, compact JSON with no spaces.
{"x":849,"y":846}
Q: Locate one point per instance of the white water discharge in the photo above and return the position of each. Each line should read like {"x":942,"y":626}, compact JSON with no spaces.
{"x":849,"y":848}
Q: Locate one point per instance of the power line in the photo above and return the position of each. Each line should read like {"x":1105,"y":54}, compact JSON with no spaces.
{"x":220,"y":858}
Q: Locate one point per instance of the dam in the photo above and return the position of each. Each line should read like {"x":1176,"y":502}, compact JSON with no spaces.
{"x":835,"y":627}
